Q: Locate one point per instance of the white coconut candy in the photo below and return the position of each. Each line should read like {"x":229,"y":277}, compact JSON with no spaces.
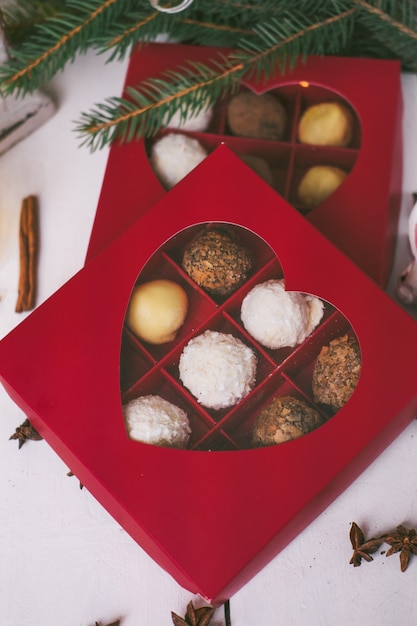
{"x":174,"y":156}
{"x":195,"y":122}
{"x":218,"y":369}
{"x":278,"y":318}
{"x":152,"y":419}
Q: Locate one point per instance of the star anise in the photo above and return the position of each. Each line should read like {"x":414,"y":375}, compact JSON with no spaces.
{"x":362,"y":549}
{"x":24,"y":432}
{"x":403,"y":541}
{"x":81,"y":487}
{"x":194,"y":617}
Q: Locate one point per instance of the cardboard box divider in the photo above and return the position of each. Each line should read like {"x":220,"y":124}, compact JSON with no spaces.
{"x":361,"y":217}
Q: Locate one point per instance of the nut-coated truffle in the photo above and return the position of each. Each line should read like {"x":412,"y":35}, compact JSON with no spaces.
{"x":283,"y":419}
{"x":336,"y":372}
{"x":217,"y":262}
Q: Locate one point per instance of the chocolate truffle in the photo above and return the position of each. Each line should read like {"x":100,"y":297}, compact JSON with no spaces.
{"x":318,"y":183}
{"x":218,"y":369}
{"x":257,"y":116}
{"x":278,"y":318}
{"x":152,"y":419}
{"x":336,"y":372}
{"x":283,"y":419}
{"x":174,"y":156}
{"x":259,"y":166}
{"x":326,"y":124}
{"x":217,"y":262}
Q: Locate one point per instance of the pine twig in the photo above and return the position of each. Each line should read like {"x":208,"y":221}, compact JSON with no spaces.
{"x":53,"y":43}
{"x":266,"y":34}
{"x":155,"y":100}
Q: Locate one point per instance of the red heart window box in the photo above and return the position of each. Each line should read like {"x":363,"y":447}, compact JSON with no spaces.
{"x":211,"y":519}
{"x":360,"y":217}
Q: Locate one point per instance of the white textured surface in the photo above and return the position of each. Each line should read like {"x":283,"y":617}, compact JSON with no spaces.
{"x":174,"y":156}
{"x":197,"y":122}
{"x":154,"y":420}
{"x":63,"y":560}
{"x":218,"y":368}
{"x":277,"y":318}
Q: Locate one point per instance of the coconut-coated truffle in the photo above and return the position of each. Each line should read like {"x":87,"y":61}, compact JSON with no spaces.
{"x":195,"y":122}
{"x":336,"y":372}
{"x":174,"y":156}
{"x":152,"y":419}
{"x":218,"y":369}
{"x":217,"y":262}
{"x":283,"y":419}
{"x":277,"y":318}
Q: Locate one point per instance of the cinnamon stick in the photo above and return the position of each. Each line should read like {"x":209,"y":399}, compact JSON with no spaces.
{"x":28,"y":253}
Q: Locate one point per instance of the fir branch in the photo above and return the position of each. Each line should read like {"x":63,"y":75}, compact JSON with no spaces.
{"x":154,"y":101}
{"x":285,"y":49}
{"x":124,"y":37}
{"x":393,"y":25}
{"x":197,"y":85}
{"x":265,"y":35}
{"x":55,"y":42}
{"x":18,"y":19}
{"x":385,"y":16}
{"x":219,"y":27}
{"x":201,"y":29}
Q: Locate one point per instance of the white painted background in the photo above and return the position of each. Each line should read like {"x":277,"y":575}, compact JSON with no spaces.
{"x":63,"y":560}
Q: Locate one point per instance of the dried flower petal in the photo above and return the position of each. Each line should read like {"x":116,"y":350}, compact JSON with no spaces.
{"x":356,"y":535}
{"x":403,"y":541}
{"x":191,"y":616}
{"x":177,"y":620}
{"x":194,"y":617}
{"x":362,"y":549}
{"x":204,"y":615}
{"x":404,"y":558}
{"x":25,"y":431}
{"x":81,"y":487}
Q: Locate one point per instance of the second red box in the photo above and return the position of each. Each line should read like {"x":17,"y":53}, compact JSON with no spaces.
{"x":360,"y":217}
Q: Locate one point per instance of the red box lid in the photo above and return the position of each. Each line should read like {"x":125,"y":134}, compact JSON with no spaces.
{"x":211,"y":519}
{"x":360,"y":217}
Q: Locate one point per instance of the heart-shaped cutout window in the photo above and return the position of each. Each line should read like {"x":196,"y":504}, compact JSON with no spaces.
{"x":217,"y":355}
{"x":301,"y":138}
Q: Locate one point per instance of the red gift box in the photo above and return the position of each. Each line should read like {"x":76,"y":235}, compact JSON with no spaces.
{"x":215,"y":514}
{"x":360,"y":217}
